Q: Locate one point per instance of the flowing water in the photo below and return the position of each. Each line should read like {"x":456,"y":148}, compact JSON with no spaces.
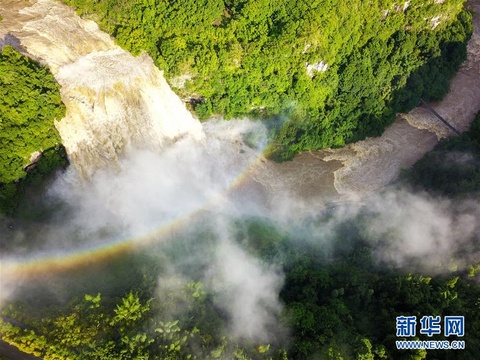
{"x":152,"y":167}
{"x":360,"y":168}
{"x":115,"y":101}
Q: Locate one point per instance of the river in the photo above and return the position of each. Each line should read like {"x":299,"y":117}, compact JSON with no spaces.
{"x":52,"y":34}
{"x":359,"y":169}
{"x":316,"y":177}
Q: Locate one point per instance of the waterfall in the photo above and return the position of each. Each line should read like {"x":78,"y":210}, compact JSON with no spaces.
{"x":114,"y":101}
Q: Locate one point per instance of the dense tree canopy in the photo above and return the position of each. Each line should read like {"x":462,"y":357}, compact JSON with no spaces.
{"x":322,"y":73}
{"x":337,"y":308}
{"x":29,"y":103}
{"x":369,"y":60}
{"x":328,"y":72}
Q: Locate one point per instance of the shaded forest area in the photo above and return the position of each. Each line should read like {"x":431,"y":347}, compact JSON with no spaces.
{"x":324,"y":73}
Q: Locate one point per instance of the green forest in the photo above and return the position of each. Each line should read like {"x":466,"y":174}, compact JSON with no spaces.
{"x":323,"y":73}
{"x":318,"y":74}
{"x":340,"y":301}
{"x":30,"y":102}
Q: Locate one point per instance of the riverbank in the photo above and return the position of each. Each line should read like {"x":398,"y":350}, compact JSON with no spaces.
{"x":316,"y":177}
{"x":355,"y":171}
{"x":352,"y":172}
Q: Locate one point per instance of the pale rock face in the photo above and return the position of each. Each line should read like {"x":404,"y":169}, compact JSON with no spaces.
{"x":114,"y":101}
{"x":306,"y":47}
{"x":384,"y":14}
{"x":402,"y":8}
{"x":435,"y":21}
{"x":317,"y":67}
{"x":180,"y":81}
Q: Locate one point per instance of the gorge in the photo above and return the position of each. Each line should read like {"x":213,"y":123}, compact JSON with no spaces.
{"x":155,"y":197}
{"x":77,"y":46}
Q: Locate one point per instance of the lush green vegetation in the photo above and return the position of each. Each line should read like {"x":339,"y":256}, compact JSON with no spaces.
{"x":29,"y":103}
{"x":250,"y":57}
{"x":129,"y":329}
{"x":346,"y":309}
{"x":340,"y":305}
{"x":357,"y":300}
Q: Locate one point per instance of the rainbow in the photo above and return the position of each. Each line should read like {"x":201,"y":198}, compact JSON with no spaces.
{"x":58,"y":261}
